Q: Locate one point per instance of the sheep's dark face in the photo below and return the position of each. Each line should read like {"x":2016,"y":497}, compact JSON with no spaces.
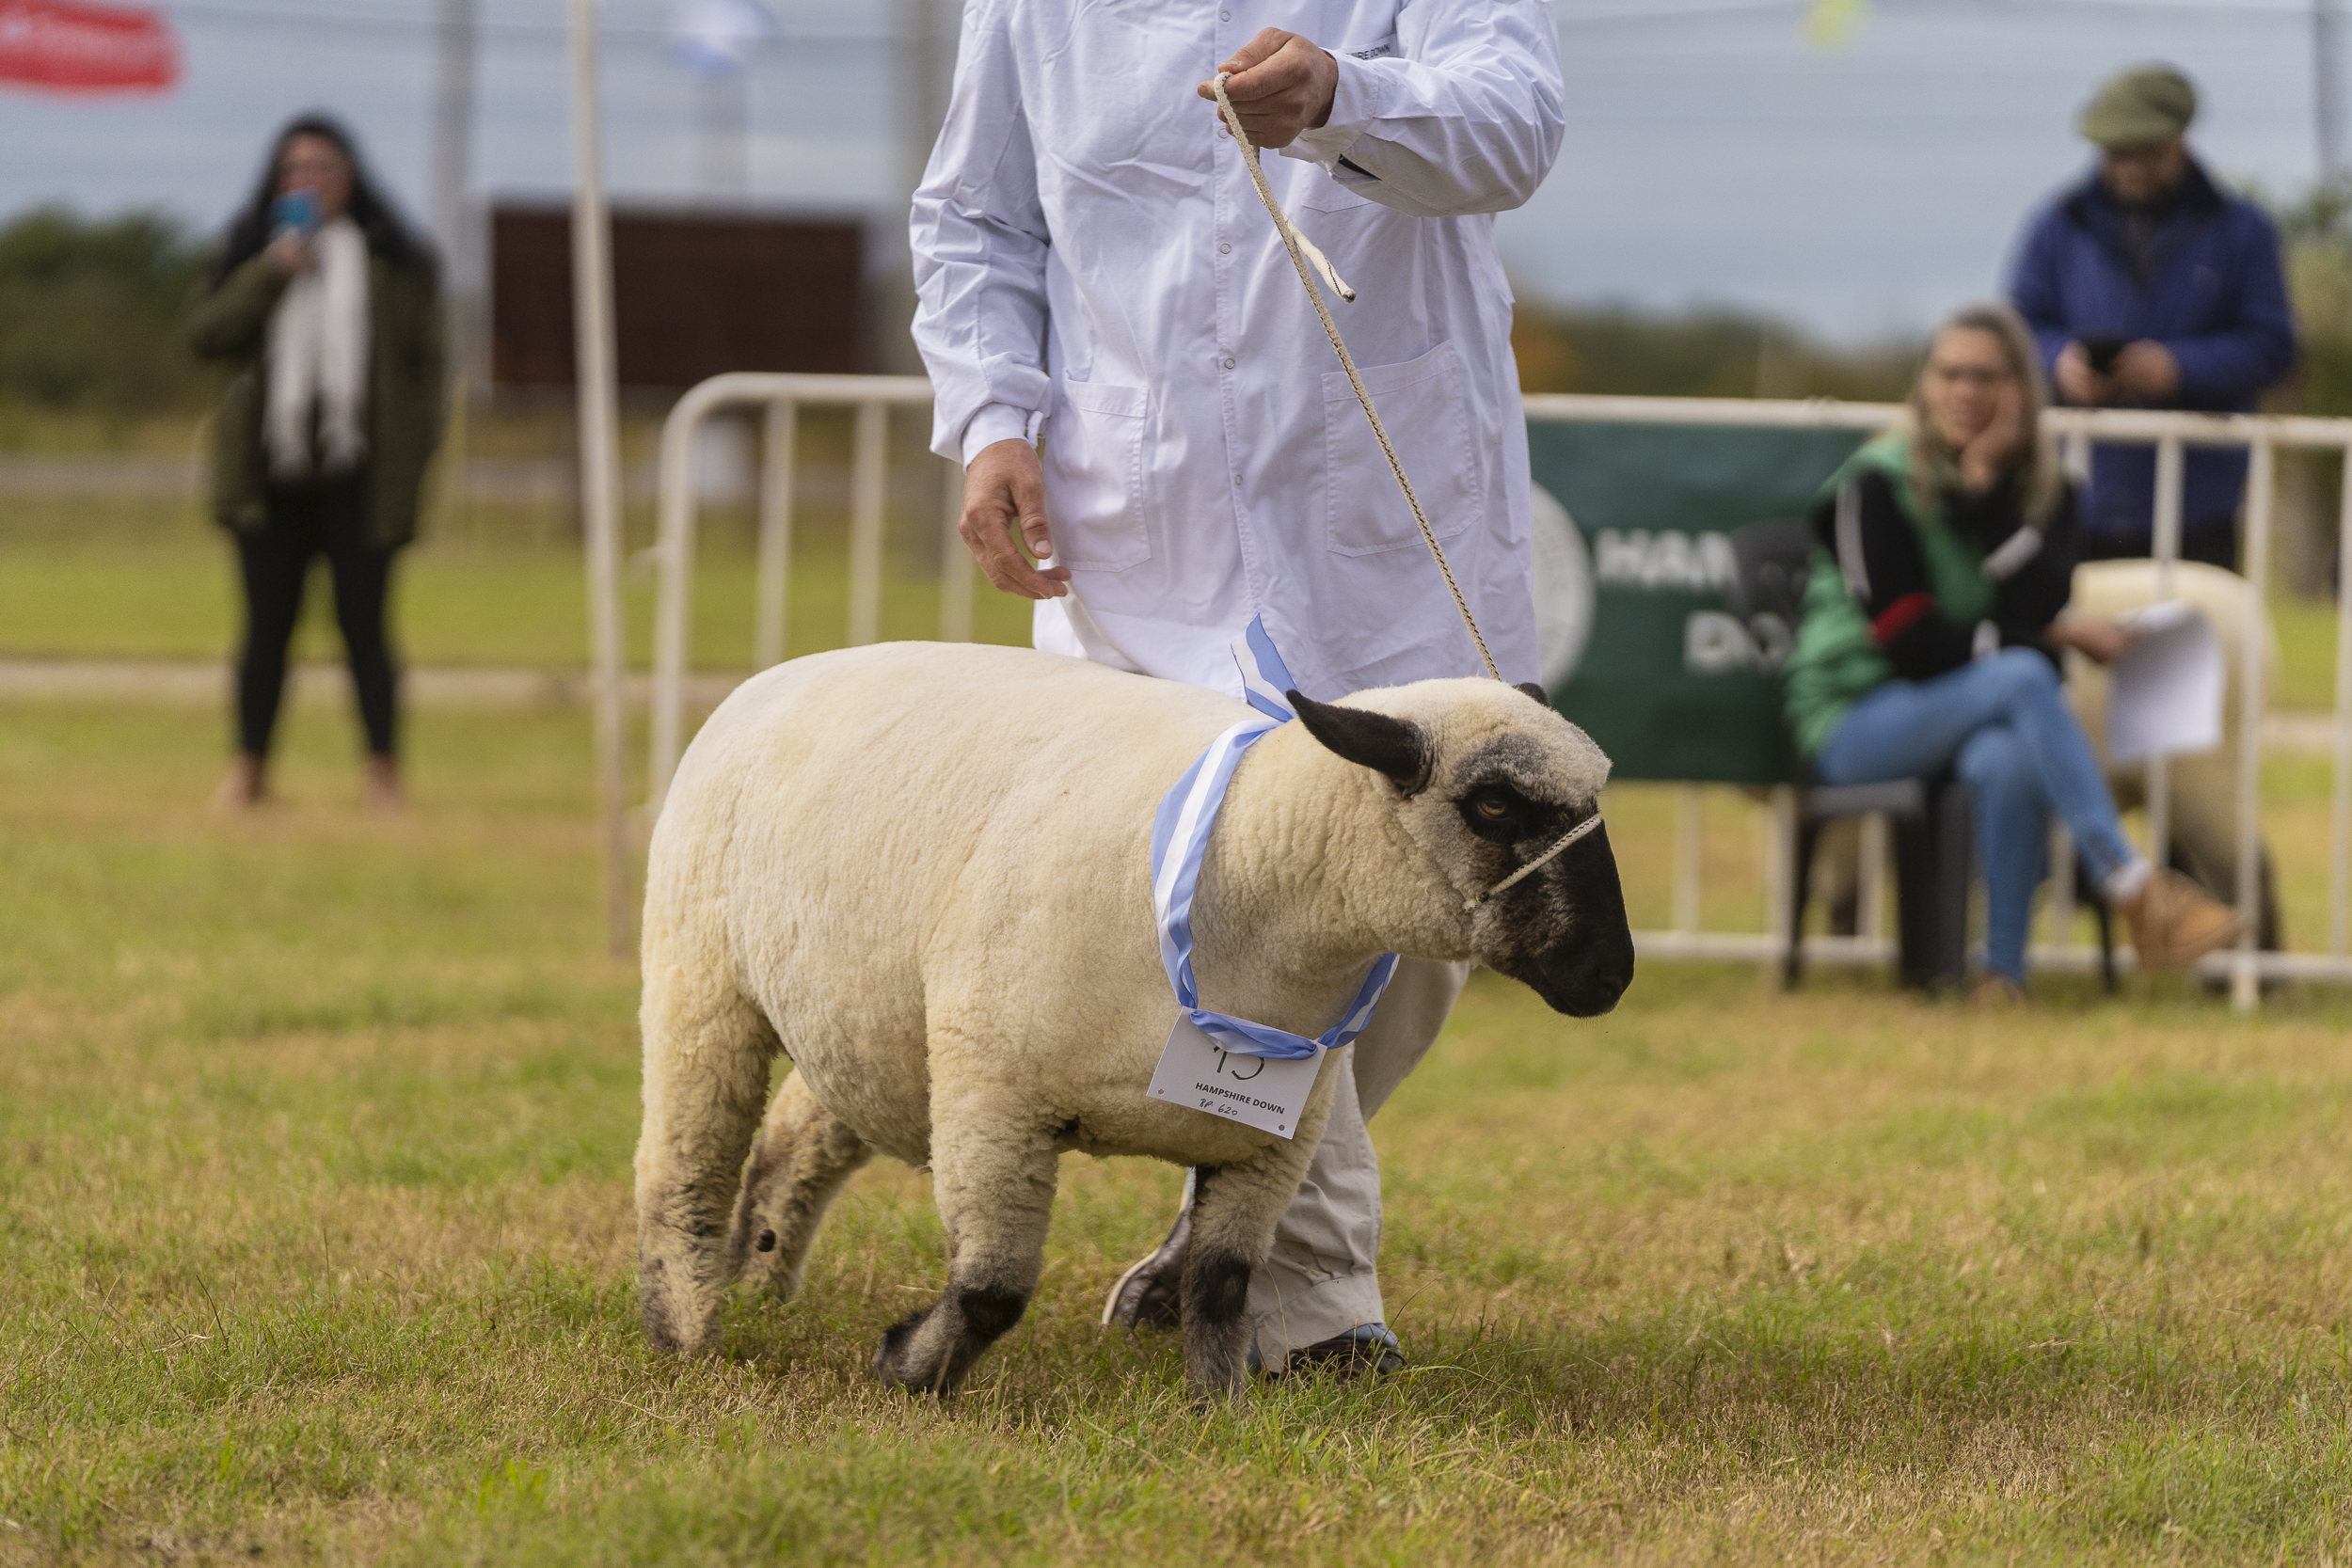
{"x":1486,"y":782}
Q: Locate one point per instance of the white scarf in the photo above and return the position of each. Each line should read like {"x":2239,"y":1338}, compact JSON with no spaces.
{"x":318,"y":358}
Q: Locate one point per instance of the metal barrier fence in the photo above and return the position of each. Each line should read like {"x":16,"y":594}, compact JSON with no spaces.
{"x":783,"y":396}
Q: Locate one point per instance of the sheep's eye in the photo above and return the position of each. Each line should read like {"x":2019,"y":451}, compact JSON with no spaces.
{"x":1494,"y":808}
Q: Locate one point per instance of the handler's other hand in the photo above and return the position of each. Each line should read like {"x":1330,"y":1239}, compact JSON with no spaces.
{"x":1280,"y":85}
{"x":1004,"y":489}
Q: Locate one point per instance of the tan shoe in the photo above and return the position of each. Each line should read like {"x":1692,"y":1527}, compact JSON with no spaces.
{"x":2174,"y":923}
{"x":1996,"y":992}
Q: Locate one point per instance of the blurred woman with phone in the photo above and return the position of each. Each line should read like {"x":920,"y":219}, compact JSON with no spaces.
{"x":328,"y":310}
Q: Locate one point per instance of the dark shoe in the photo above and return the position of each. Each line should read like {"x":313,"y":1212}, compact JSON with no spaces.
{"x":1367,"y":1350}
{"x":1147,"y":1295}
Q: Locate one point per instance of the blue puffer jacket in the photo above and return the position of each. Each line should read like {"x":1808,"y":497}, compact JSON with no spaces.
{"x":2214,"y":295}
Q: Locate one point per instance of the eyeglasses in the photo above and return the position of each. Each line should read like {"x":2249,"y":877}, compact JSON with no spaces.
{"x":1973,"y":376}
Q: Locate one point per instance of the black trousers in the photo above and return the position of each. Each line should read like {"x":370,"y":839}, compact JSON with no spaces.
{"x":2211,"y":540}
{"x":304,"y":522}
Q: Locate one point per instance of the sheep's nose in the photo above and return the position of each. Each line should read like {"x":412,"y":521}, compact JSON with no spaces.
{"x":1597,"y":977}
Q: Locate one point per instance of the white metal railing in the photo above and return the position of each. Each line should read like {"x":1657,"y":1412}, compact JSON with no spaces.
{"x":782,"y":396}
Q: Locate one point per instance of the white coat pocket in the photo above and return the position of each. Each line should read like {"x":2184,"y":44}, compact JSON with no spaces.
{"x":1325,"y":194}
{"x":1425,"y":410}
{"x":1094,"y":462}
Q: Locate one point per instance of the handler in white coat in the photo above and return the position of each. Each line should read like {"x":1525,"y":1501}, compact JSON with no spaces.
{"x":1093,"y":268}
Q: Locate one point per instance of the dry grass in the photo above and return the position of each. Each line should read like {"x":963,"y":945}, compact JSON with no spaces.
{"x":314,"y":1242}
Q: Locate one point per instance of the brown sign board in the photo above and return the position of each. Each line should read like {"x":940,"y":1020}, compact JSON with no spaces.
{"x":694,"y":293}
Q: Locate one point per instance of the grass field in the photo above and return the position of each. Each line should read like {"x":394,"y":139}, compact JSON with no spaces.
{"x":315,"y":1244}
{"x":153,"y":579}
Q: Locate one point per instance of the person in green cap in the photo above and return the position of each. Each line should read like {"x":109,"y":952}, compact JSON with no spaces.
{"x":2149,"y":286}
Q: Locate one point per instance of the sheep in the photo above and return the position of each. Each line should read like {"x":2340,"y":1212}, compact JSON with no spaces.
{"x":2204,"y":786}
{"x":921,"y":872}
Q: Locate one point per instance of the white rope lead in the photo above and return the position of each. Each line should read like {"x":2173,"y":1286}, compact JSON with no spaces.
{"x":1470,"y":904}
{"x":1300,"y":248}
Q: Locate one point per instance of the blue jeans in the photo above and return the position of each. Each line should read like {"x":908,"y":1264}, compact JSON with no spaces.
{"x":2002,"y":727}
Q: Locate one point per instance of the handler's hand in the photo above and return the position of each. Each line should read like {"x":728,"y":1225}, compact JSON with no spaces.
{"x":1280,"y":85}
{"x":1005,"y":489}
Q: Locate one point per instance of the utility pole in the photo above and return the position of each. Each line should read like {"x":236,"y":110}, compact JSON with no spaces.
{"x":2328,"y":87}
{"x":722,"y":140}
{"x":924,"y":53}
{"x":452,"y":125}
{"x":453,"y":221}
{"x":600,"y":470}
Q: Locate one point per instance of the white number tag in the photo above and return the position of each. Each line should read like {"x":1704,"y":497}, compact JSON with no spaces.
{"x":1260,"y":1091}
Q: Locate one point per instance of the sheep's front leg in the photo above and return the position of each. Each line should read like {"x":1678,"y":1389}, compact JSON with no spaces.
{"x":992,"y":1170}
{"x":804,"y":1156}
{"x":1235,"y":1208}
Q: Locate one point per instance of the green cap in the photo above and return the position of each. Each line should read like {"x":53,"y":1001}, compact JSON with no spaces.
{"x":2142,"y":104}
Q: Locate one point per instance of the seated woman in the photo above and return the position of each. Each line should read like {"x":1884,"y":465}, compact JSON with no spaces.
{"x":1944,"y":557}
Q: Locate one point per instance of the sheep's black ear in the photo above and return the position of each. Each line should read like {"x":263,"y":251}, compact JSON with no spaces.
{"x":1536,"y":692}
{"x":1386,"y":745}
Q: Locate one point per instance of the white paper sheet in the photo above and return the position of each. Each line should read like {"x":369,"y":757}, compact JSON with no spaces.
{"x":2166,"y":697}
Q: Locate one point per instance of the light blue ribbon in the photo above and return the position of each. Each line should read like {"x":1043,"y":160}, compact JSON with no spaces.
{"x":1180,"y":835}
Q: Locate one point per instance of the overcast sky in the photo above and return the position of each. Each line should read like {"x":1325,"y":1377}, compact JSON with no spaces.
{"x":1712,"y":153}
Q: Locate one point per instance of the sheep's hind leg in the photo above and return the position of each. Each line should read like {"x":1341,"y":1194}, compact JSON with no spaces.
{"x":707,"y":1054}
{"x":993,"y":1174}
{"x":804,"y":1156}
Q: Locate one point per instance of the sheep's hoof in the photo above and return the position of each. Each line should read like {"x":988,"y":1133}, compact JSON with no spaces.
{"x":891,"y":1355}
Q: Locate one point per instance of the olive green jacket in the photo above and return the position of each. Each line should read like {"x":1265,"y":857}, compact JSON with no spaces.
{"x":406,"y":387}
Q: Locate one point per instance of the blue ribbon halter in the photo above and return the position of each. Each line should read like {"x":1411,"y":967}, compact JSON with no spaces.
{"x":1180,"y":835}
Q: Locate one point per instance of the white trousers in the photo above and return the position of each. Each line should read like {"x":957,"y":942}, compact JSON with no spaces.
{"x":1323,"y":1276}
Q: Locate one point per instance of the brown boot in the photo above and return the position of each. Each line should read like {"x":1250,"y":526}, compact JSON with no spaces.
{"x":2174,"y":923}
{"x":379,"y":787}
{"x":246,"y":786}
{"x":1148,"y":1296}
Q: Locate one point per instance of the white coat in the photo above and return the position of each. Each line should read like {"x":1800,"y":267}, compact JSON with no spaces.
{"x":1092,"y":262}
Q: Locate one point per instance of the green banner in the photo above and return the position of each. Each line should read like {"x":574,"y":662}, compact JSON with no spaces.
{"x":1657,"y":668}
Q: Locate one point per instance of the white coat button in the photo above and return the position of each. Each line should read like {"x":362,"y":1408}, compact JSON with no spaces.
{"x":1224,"y":16}
{"x":1229,"y":364}
{"x":1225,"y":248}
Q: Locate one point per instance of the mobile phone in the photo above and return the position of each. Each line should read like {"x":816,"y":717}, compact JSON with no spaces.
{"x":2102,"y":349}
{"x":297,"y":210}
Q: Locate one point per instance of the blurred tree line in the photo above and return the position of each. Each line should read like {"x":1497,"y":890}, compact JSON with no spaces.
{"x":90,"y":314}
{"x":1708,"y":353}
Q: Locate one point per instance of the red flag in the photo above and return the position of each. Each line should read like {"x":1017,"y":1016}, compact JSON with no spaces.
{"x":71,"y":46}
